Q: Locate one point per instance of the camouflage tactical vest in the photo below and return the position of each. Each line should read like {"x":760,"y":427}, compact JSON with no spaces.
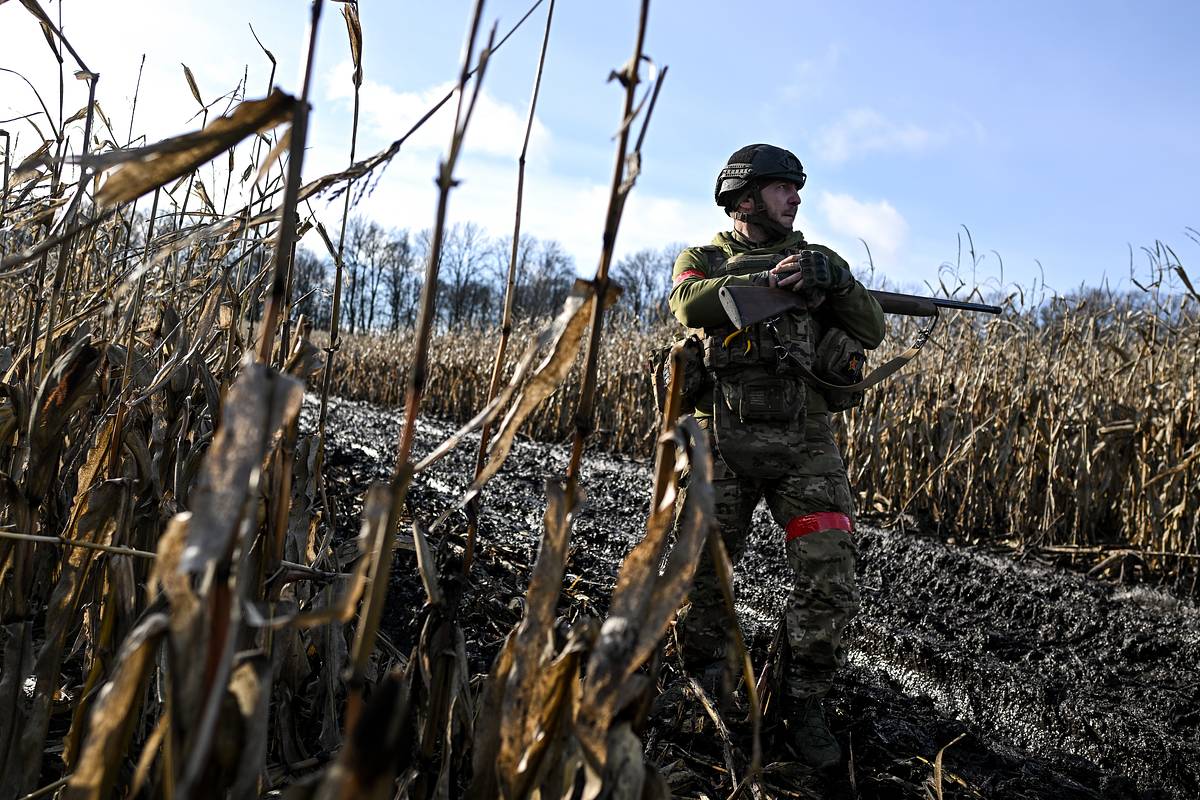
{"x":759,"y":398}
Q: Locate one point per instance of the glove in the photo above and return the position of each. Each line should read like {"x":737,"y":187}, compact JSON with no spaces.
{"x":819,"y":273}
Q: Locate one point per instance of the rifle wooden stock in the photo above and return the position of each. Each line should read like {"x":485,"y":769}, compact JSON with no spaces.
{"x":746,"y":305}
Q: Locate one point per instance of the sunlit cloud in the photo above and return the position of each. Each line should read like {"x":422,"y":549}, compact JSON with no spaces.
{"x":862,"y":131}
{"x":557,"y":206}
{"x":878,"y":223}
{"x":496,"y":128}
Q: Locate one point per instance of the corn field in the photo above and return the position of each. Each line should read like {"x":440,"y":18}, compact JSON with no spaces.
{"x":1072,"y":423}
{"x":176,"y":614}
{"x":170,"y":582}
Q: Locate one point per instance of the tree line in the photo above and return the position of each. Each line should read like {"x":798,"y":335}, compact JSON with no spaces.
{"x":384,"y":268}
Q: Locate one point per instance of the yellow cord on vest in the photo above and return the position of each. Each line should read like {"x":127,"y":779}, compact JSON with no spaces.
{"x":736,"y":334}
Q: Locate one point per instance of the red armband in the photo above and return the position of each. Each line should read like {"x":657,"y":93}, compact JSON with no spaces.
{"x":821,"y":521}
{"x":689,"y":273}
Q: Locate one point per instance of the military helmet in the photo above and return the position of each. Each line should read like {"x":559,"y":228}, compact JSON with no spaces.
{"x":752,"y":163}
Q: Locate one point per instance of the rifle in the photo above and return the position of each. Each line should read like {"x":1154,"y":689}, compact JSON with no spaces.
{"x":746,"y":305}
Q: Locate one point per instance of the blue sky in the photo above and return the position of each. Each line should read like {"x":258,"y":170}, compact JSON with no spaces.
{"x":1056,"y":132}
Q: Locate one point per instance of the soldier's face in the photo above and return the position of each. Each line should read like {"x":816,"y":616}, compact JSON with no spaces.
{"x":782,"y":199}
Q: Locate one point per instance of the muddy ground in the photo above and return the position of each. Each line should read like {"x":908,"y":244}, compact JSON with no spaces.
{"x":1032,"y":681}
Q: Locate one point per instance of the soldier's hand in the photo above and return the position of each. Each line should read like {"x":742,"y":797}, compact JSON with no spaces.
{"x":813,"y":271}
{"x":785,"y":272}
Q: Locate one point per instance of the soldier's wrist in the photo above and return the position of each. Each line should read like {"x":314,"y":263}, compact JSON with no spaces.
{"x":844,"y":286}
{"x":764,"y":278}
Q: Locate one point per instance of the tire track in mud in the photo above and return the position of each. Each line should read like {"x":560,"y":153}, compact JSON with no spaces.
{"x":1078,"y":687}
{"x":1048,"y":661}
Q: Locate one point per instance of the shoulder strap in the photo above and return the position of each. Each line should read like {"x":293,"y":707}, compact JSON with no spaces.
{"x":714,"y":257}
{"x":880,"y":373}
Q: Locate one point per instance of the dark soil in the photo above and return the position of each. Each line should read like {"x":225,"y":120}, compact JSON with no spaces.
{"x":1032,"y":681}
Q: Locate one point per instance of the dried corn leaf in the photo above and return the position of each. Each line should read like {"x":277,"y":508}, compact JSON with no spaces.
{"x":441,"y":654}
{"x":274,"y":156}
{"x":250,"y":686}
{"x":189,"y":627}
{"x":150,"y":167}
{"x":78,"y":115}
{"x":66,"y":387}
{"x":116,"y":713}
{"x":644,"y":602}
{"x":202,"y":194}
{"x":572,"y":321}
{"x":107,"y":122}
{"x":28,"y":168}
{"x":47,"y":210}
{"x":43,"y":19}
{"x":484,"y":757}
{"x":178,"y":362}
{"x":97,"y":512}
{"x":379,"y":745}
{"x":374,"y":520}
{"x":426,"y":566}
{"x":354,"y":31}
{"x":191,"y":82}
{"x":671,"y":588}
{"x":116,"y":611}
{"x":551,"y":334}
{"x":534,"y":694}
{"x":16,"y":645}
{"x":260,"y":402}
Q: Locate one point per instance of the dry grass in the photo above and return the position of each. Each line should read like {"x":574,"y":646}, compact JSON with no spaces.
{"x":373,"y":368}
{"x":177,"y":618}
{"x":1073,"y":422}
{"x":1076,"y":423}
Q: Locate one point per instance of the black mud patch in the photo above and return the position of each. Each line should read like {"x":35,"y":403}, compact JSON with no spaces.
{"x":1032,"y":682}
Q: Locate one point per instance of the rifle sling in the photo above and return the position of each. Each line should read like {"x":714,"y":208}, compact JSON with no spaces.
{"x":880,"y":373}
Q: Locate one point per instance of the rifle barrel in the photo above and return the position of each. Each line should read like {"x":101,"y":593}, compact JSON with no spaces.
{"x":917,"y":306}
{"x":965,"y":306}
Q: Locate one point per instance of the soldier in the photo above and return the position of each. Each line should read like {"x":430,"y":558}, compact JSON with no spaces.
{"x":770,"y":429}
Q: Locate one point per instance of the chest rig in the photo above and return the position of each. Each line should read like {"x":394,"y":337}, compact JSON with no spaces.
{"x":759,"y":394}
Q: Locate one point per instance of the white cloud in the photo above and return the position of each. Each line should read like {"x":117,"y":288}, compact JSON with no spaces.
{"x":565,"y":202}
{"x":879,"y":224}
{"x":496,"y":128}
{"x":566,"y":194}
{"x":865,"y":130}
{"x":113,"y":36}
{"x":567,"y":209}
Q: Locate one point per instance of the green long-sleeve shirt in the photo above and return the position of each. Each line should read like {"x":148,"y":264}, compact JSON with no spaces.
{"x":696,"y":303}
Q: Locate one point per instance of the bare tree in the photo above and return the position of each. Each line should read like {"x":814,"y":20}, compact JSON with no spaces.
{"x":545,"y":272}
{"x":399,"y":285}
{"x":376,"y":263}
{"x":467,"y":275}
{"x":367,"y":245}
{"x":359,"y":232}
{"x":310,"y":276}
{"x":646,"y":279}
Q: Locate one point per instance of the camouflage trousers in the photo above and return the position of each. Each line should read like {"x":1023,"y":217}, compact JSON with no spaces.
{"x":824,"y":592}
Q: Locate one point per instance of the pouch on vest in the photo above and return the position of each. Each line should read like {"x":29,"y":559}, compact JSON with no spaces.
{"x":695,"y":377}
{"x":840,"y":359}
{"x":728,"y":350}
{"x":758,"y":422}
